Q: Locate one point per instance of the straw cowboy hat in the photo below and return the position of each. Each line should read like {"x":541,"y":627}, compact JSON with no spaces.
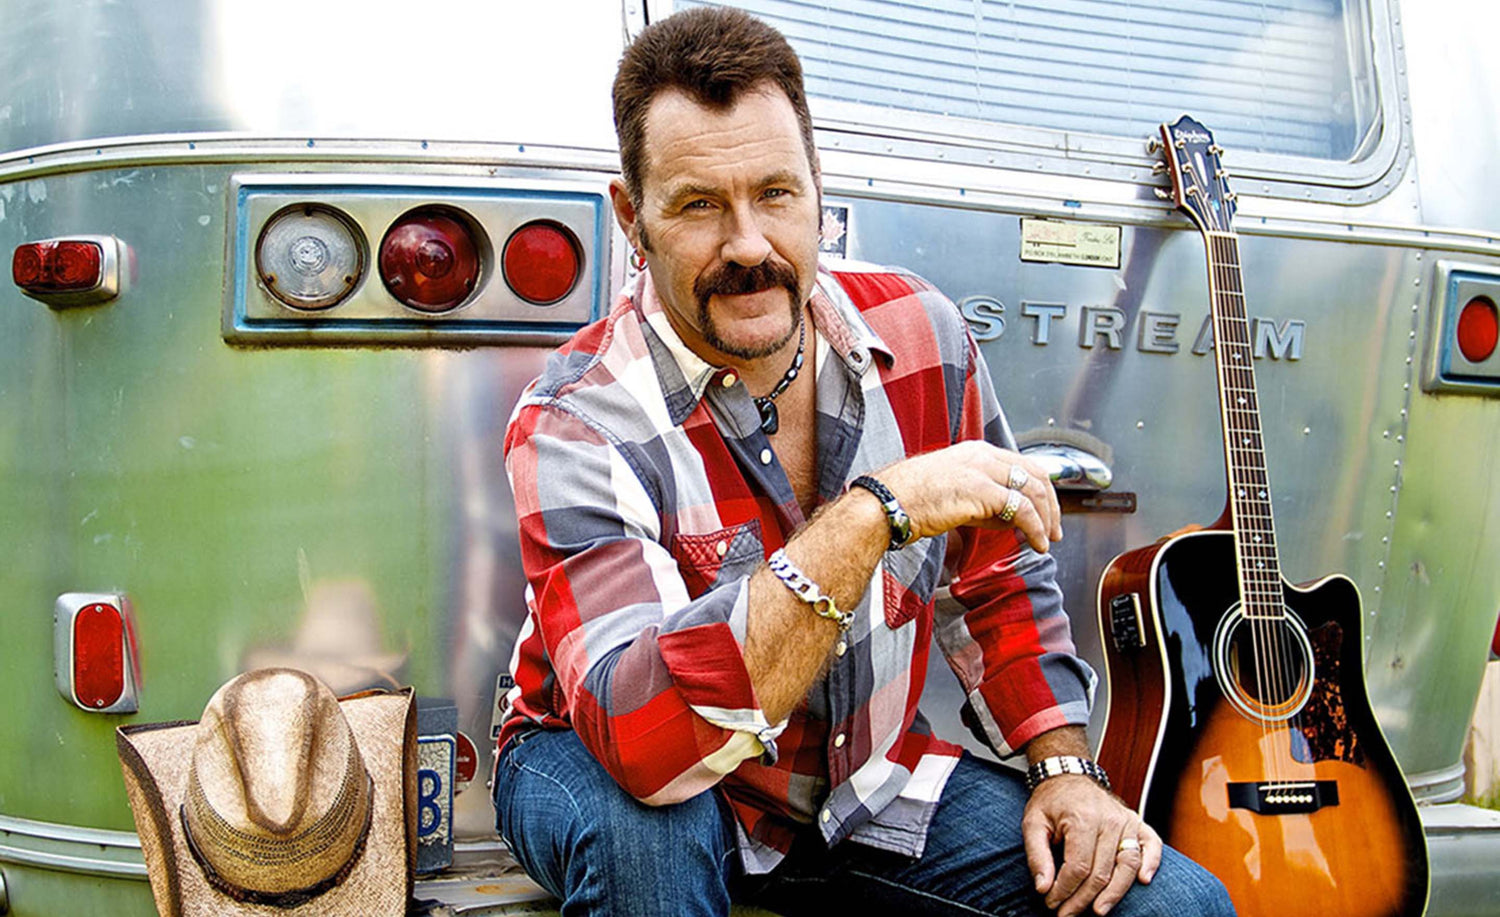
{"x":282,"y":800}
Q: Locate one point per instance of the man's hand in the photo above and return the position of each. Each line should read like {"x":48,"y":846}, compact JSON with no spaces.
{"x":1090,"y":824}
{"x":969,"y":484}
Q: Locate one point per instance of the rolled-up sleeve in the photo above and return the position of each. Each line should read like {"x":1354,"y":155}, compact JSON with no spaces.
{"x":1009,"y":641}
{"x":652,"y":679}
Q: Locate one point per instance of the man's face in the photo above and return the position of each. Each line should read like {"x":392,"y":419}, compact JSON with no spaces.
{"x":728,"y":220}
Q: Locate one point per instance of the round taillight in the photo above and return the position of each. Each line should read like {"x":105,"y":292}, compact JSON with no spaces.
{"x":309,"y":256}
{"x":430,"y":260}
{"x":1478,"y":329}
{"x":541,"y":262}
{"x":26,"y":266}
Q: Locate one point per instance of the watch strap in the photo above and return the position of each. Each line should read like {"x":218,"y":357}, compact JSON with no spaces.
{"x":1057,"y":765}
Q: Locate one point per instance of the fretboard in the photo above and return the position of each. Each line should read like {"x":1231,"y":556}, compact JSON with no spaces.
{"x":1244,"y":451}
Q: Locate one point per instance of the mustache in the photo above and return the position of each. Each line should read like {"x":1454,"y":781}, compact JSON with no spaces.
{"x":731,"y":279}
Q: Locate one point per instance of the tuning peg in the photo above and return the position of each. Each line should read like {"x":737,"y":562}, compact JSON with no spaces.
{"x":1159,"y":169}
{"x":1181,"y":144}
{"x":1162,"y":194}
{"x":1232,"y":196}
{"x":1216,"y":150}
{"x":1221,"y":175}
{"x":1153,"y":146}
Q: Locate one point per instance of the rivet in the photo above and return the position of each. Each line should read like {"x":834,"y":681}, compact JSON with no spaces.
{"x":1140,"y":425}
{"x":765,"y":456}
{"x":729,"y":380}
{"x":842,"y":648}
{"x":826,"y":816}
{"x":838,"y":740}
{"x":721,"y":548}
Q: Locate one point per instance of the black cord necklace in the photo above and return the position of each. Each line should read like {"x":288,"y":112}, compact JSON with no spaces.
{"x":769,"y":422}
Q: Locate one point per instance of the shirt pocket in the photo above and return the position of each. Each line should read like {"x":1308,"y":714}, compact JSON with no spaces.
{"x":910,"y":577}
{"x":708,"y":559}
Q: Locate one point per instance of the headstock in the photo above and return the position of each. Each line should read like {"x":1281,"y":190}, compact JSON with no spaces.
{"x":1200,"y":186}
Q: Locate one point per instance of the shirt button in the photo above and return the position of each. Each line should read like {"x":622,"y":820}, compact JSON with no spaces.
{"x":729,"y":380}
{"x":838,"y":740}
{"x":722,"y":548}
{"x":842,"y":648}
{"x":765,"y":456}
{"x":826,"y":816}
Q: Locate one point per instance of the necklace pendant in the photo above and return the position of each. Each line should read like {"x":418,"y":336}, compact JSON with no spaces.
{"x":769,"y":422}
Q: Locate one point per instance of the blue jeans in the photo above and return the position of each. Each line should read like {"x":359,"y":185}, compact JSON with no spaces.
{"x":601,"y":852}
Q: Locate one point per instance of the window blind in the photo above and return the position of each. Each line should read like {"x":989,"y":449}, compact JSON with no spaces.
{"x":1273,"y":76}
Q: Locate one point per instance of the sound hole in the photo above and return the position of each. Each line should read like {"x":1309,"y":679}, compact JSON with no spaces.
{"x":1264,"y":666}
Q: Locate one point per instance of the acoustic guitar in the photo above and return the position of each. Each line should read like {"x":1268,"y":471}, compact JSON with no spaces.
{"x":1239,"y":725}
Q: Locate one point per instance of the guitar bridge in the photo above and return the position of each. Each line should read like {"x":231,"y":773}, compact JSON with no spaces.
{"x":1290,"y":798}
{"x":1126,"y":627}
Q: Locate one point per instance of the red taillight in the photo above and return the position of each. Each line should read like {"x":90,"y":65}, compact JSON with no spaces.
{"x":430,"y":261}
{"x":541,"y":262}
{"x":1478,"y":329}
{"x":57,"y":266}
{"x":98,"y":655}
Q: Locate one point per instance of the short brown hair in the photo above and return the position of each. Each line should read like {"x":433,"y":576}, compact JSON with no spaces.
{"x":714,"y":55}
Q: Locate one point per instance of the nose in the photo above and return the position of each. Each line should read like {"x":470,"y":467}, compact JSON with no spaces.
{"x":744,"y":243}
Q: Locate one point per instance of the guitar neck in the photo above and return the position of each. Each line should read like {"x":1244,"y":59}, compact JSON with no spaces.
{"x":1244,"y":452}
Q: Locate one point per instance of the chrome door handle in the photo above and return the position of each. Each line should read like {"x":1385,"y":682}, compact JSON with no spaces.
{"x":1070,"y":467}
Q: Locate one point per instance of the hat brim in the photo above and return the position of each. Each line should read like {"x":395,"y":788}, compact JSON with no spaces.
{"x":156,"y":758}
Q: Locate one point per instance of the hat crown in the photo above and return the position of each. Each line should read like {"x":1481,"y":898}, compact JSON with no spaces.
{"x":278,"y":796}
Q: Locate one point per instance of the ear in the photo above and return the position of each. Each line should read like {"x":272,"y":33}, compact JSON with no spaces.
{"x":625,"y":213}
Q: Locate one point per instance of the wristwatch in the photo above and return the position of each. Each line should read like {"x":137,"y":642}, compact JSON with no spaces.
{"x":1057,"y":765}
{"x":895,"y":516}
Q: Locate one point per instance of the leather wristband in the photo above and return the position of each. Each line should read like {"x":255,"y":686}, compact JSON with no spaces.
{"x":1058,"y":765}
{"x":895,"y":516}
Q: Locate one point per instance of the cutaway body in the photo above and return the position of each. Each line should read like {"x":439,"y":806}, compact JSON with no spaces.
{"x":1275,"y":777}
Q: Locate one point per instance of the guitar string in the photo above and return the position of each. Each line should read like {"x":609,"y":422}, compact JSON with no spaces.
{"x":1230,"y":347}
{"x":1276,"y":662}
{"x":1285,"y":665}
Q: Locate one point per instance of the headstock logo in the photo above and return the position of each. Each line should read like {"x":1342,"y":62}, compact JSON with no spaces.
{"x":1189,"y":136}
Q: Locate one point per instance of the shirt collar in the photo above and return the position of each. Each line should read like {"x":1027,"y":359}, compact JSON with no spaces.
{"x":685,"y":376}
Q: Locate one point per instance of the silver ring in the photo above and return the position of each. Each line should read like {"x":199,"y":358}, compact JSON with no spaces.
{"x":1011,"y":505}
{"x":1129,"y":843}
{"x":1018,"y":478}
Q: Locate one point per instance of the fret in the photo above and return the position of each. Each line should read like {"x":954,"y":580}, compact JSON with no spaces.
{"x":1244,"y":441}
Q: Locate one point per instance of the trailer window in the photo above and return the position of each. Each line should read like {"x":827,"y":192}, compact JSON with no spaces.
{"x":1291,"y":77}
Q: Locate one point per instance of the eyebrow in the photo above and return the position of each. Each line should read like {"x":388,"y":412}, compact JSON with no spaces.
{"x":693,"y":189}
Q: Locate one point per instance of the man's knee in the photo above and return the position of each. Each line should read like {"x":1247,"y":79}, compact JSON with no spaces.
{"x":585,"y":839}
{"x":1180,"y":886}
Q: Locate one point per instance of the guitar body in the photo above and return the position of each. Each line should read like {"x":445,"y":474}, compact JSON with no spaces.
{"x":1277,"y":780}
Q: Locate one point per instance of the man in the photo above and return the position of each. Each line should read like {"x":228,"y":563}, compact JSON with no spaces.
{"x":736,"y":495}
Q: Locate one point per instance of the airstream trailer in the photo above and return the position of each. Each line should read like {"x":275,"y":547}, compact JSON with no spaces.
{"x":234,"y":431}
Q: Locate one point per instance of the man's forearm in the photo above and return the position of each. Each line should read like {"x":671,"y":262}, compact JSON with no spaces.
{"x":1064,"y":740}
{"x":787,"y":643}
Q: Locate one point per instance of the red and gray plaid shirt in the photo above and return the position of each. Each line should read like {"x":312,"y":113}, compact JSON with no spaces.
{"x":647,"y":495}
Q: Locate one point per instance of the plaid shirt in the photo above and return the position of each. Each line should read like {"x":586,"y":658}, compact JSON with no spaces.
{"x":647,"y":495}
